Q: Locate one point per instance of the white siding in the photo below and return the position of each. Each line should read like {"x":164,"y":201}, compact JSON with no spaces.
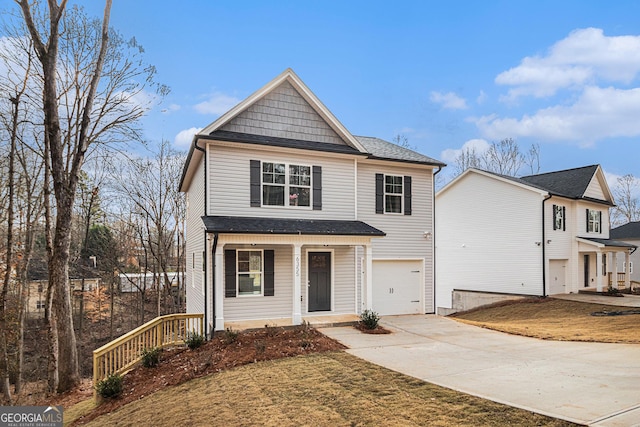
{"x":230,"y":195}
{"x":635,"y":260}
{"x":594,"y":190}
{"x":259,"y":307}
{"x":405,"y":233}
{"x":283,"y":113}
{"x":195,"y":242}
{"x":488,"y":238}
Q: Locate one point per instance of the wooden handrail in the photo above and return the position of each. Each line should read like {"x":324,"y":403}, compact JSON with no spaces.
{"x":122,"y":353}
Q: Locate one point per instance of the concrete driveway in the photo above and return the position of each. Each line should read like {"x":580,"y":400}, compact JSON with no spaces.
{"x":588,"y":383}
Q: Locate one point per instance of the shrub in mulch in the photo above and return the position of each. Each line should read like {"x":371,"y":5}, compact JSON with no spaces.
{"x":377,"y":330}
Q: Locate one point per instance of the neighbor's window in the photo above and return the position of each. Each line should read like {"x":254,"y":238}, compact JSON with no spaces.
{"x":393,"y":194}
{"x":558,"y":217}
{"x":286,"y":185}
{"x":249,"y":272}
{"x":594,"y":217}
{"x":624,"y":266}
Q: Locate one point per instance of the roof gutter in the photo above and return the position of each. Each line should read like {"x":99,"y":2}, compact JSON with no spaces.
{"x":544,"y":244}
{"x":433,"y":225}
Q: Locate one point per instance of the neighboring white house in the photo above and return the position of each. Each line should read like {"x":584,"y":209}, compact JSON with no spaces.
{"x":289,"y":215}
{"x":536,"y":235}
{"x":629,"y":233}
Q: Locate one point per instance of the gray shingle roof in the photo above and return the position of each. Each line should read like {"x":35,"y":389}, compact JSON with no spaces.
{"x":224,"y":135}
{"x":381,"y":149}
{"x":571,"y":183}
{"x":630,"y":230}
{"x":252,"y":225}
{"x":610,"y":242}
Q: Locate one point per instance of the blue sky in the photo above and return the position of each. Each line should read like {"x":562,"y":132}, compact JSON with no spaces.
{"x":562,"y":74}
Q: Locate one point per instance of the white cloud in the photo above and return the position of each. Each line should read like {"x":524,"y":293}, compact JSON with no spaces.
{"x":480,"y":146}
{"x":584,"y":57}
{"x":184,"y":137}
{"x":449,"y":100}
{"x":482,"y":97}
{"x":217,"y":104}
{"x":170,"y":109}
{"x":597,"y":114}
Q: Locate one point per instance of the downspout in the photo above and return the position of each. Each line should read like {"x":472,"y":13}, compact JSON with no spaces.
{"x":544,"y":257}
{"x":204,"y":253}
{"x":433,"y":225}
{"x":213,"y":277}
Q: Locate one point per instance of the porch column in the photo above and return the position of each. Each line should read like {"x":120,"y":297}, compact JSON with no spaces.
{"x":368,"y":261}
{"x":600,"y":279}
{"x":627,"y":270}
{"x":296,"y":317}
{"x":219,"y":289}
{"x":614,"y":274}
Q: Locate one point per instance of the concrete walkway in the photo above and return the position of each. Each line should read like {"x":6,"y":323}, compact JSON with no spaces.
{"x":589,"y":383}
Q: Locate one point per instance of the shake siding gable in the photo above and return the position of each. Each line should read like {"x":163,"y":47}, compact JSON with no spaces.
{"x":284,"y":113}
{"x":405,"y":234}
{"x":489,"y":236}
{"x":229,"y":168}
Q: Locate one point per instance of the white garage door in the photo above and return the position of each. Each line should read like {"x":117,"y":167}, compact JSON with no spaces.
{"x":397,"y":287}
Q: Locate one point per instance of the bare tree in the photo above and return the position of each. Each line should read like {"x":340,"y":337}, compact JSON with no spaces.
{"x":91,"y":79}
{"x":504,"y":157}
{"x":625,"y":194}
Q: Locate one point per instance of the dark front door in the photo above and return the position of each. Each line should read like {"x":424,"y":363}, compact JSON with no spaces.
{"x":586,"y":271}
{"x":319,"y":281}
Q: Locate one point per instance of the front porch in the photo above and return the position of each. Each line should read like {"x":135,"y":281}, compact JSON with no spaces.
{"x":315,"y":321}
{"x":599,"y":264}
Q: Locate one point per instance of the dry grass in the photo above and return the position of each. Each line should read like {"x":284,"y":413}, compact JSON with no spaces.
{"x":560,"y":320}
{"x":326,"y":389}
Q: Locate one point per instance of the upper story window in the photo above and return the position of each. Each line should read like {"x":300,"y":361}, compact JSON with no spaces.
{"x":559,"y":218}
{"x":286,"y":185}
{"x":393,"y":194}
{"x":594,"y":221}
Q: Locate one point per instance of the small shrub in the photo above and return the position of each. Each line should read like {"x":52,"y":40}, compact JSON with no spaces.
{"x":272,"y":330}
{"x":151,"y":357}
{"x":110,"y":386}
{"x":194,"y":340}
{"x":305,"y":344}
{"x":369,"y":319}
{"x":260,"y":346}
{"x":230,"y":336}
{"x":612,"y":291}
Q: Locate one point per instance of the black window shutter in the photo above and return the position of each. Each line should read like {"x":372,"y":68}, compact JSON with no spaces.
{"x":317,"y":188}
{"x":599,"y":221}
{"x":554,"y":217}
{"x":254,"y":177}
{"x":587,"y":220}
{"x":229,"y":273}
{"x":269,"y":282}
{"x":564,"y":219}
{"x":407,"y":195}
{"x":379,"y":193}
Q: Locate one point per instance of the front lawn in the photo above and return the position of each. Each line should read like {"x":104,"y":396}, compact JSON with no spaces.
{"x":556,"y":319}
{"x":324,"y":389}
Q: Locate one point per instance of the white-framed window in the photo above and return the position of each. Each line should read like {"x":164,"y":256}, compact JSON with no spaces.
{"x":40,"y":305}
{"x":393,"y":193}
{"x":594,"y":220}
{"x":559,"y":217}
{"x":250,"y":268}
{"x":624,"y":266}
{"x":286,"y":184}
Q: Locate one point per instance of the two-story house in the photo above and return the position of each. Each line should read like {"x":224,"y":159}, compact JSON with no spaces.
{"x":499,"y":236}
{"x":630,"y":233}
{"x":289,"y":215}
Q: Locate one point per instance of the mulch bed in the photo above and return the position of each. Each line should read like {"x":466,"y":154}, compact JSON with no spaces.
{"x":378,"y":330}
{"x":225,"y":351}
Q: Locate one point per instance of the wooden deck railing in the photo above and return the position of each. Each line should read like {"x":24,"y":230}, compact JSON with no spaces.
{"x":122,"y":353}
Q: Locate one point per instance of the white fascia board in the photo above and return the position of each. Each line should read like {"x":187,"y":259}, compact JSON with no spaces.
{"x":492,"y":176}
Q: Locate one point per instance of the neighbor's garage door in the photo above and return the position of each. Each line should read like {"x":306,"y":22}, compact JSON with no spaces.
{"x":397,"y":287}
